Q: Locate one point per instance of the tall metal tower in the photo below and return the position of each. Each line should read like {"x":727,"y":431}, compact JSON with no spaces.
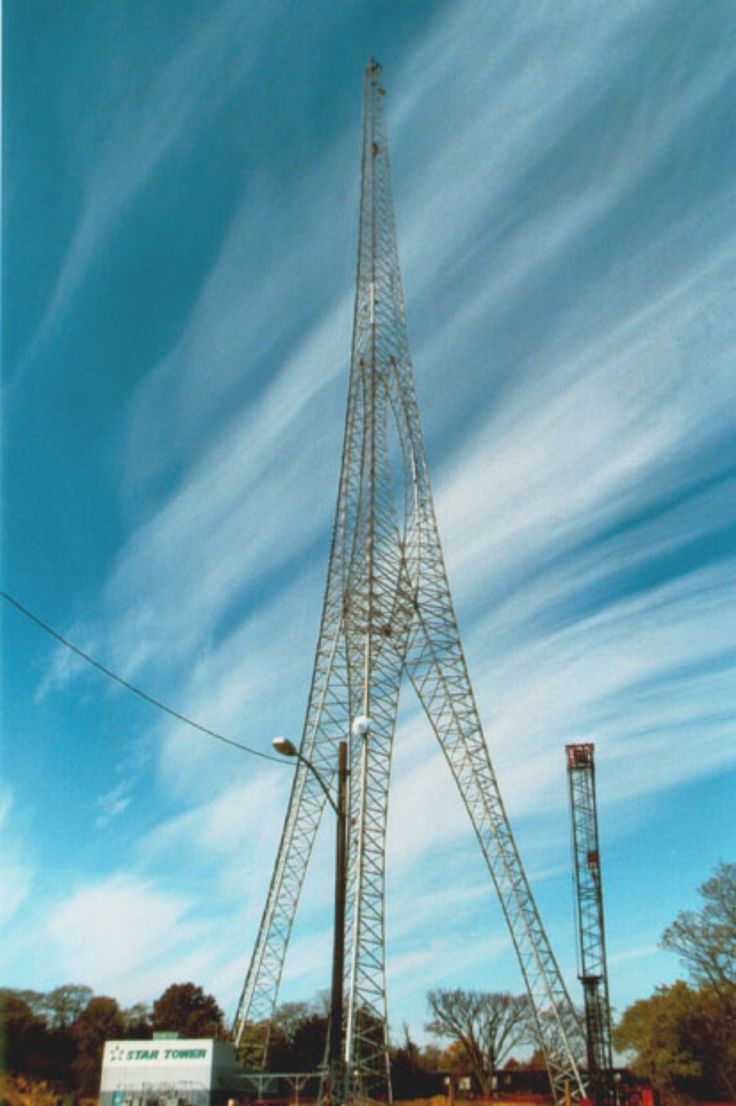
{"x":388,"y":612}
{"x":589,"y":897}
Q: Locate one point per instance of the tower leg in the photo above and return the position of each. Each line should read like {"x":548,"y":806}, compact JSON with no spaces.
{"x":326,"y":724}
{"x":436,"y":667}
{"x":366,"y":1040}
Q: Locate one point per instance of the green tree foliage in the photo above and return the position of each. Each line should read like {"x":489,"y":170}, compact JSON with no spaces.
{"x":431,"y":1056}
{"x":486,"y":1025}
{"x":308,"y":1043}
{"x":299,"y":1036}
{"x":298,"y":1041}
{"x":100,"y":1021}
{"x":184,"y":1008}
{"x":289,"y":1016}
{"x":412,"y":1073}
{"x":37,"y":1001}
{"x":684,"y":1038}
{"x":285,"y":1029}
{"x":680,"y":1043}
{"x":137,"y":1021}
{"x":31,"y":1047}
{"x":64,"y":1004}
{"x":252,"y":1041}
{"x":23,"y":1034}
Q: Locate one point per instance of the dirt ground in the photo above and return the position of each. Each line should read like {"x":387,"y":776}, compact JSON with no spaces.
{"x":23,"y":1092}
{"x":26,"y":1092}
{"x":436,"y":1100}
{"x":441,"y":1100}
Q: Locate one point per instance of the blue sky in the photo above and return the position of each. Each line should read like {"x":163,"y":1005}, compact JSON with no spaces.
{"x":181,"y":193}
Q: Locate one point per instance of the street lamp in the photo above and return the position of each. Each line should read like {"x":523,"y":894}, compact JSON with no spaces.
{"x":288,"y":749}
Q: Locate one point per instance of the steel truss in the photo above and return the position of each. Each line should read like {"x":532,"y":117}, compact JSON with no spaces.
{"x":589,"y":899}
{"x":387,"y":610}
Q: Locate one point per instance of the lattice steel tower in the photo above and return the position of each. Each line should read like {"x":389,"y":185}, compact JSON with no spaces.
{"x":388,"y":612}
{"x":589,"y":899}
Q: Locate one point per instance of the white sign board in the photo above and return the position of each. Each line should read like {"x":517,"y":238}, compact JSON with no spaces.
{"x":144,"y":1066}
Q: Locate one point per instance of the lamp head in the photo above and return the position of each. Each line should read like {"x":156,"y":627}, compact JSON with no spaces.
{"x":284,"y":746}
{"x":361,"y":725}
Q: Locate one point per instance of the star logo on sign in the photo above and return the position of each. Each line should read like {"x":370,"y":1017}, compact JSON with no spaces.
{"x":117,"y":1053}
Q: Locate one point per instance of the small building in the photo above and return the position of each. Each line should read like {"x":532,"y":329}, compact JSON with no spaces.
{"x":168,"y":1072}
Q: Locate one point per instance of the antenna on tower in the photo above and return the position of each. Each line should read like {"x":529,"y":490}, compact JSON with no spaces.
{"x":387,"y":613}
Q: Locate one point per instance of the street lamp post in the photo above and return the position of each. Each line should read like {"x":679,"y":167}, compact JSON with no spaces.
{"x":334,"y":1055}
{"x":338,"y":944}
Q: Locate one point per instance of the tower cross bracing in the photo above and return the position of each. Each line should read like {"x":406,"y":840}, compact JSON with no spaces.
{"x":388,"y":612}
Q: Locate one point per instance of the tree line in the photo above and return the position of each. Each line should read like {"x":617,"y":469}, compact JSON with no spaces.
{"x":682,"y":1039}
{"x":58,"y":1037}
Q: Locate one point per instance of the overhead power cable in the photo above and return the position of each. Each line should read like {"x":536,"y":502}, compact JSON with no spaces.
{"x":131,"y":687}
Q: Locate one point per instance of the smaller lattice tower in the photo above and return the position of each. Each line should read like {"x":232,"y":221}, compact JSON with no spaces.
{"x":589,"y":899}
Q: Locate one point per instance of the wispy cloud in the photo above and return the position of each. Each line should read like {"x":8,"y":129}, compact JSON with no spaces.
{"x":127,"y":935}
{"x":113,"y":803}
{"x":16,"y":869}
{"x":233,"y":836}
{"x":569,"y":272}
{"x":144,"y":127}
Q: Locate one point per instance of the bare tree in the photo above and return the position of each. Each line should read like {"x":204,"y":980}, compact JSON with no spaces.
{"x":487,"y":1026}
{"x":706,"y":940}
